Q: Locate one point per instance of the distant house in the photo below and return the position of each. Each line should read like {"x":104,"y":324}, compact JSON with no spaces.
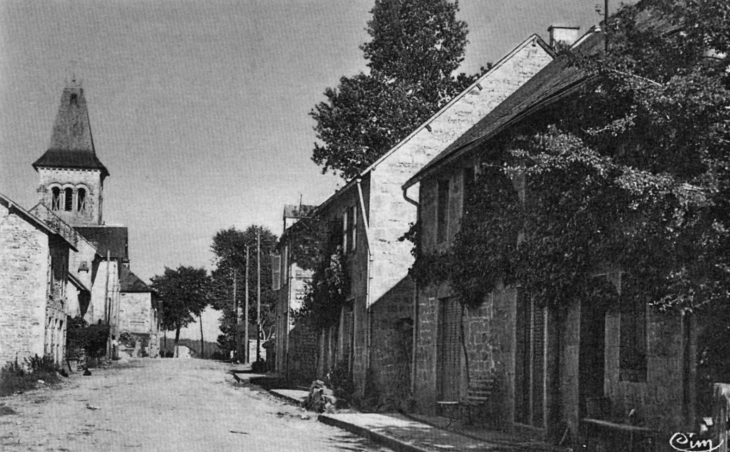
{"x":295,"y":346}
{"x":555,"y":369}
{"x":373,"y":337}
{"x":138,"y":315}
{"x":34,"y":275}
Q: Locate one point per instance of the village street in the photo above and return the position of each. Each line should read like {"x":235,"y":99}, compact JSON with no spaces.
{"x":163,"y":405}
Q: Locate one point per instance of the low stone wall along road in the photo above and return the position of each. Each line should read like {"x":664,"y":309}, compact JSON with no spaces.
{"x":175,"y":405}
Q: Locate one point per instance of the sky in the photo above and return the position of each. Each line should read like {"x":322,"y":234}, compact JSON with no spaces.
{"x":200,"y":110}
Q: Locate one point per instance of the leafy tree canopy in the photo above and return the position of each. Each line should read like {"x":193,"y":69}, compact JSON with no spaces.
{"x":185,"y":292}
{"x":229,"y":248}
{"x":416,"y":47}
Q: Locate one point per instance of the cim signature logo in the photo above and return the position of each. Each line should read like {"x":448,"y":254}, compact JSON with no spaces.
{"x":690,"y":442}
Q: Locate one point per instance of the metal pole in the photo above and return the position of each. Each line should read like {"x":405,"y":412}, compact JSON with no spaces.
{"x":247,"y":358}
{"x":258,"y":294}
{"x":235,"y":312}
{"x":605,"y":24}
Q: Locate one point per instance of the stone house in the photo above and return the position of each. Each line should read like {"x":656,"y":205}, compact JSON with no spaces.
{"x":373,"y":337}
{"x":295,"y":345}
{"x":34,"y":260}
{"x":138,"y":316}
{"x":550,"y":365}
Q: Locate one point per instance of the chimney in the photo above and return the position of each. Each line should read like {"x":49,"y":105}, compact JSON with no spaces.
{"x":564,"y":35}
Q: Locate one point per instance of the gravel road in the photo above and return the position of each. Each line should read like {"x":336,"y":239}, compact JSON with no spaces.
{"x":175,"y":405}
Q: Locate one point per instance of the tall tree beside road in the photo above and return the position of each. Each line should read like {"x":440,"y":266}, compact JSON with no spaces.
{"x":229,"y":247}
{"x":416,"y":47}
{"x":185,"y":292}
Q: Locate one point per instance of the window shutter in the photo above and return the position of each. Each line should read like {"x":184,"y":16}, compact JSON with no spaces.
{"x":275,"y":272}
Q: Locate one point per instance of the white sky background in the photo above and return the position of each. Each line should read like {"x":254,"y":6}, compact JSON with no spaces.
{"x":200,"y":109}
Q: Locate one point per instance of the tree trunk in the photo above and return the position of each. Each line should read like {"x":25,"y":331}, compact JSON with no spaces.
{"x":177,"y":339}
{"x":202,"y":346}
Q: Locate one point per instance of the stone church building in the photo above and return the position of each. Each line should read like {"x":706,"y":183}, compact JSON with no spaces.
{"x":95,"y":273}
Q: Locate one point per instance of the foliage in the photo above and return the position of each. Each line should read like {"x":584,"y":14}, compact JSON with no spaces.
{"x":636,"y":177}
{"x":15,"y":377}
{"x":329,"y":286}
{"x":92,"y":339}
{"x":229,"y":248}
{"x":416,"y":46}
{"x":185,"y":292}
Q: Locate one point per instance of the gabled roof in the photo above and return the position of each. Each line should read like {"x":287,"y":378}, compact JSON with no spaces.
{"x":72,"y":144}
{"x":77,"y":282}
{"x":113,"y":239}
{"x":298,"y":211}
{"x":129,"y":282}
{"x":553,"y":82}
{"x":531,"y":40}
{"x":35,"y":221}
{"x":54,"y":222}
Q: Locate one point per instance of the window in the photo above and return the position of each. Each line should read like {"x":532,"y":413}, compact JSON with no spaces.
{"x":275,"y":272}
{"x":55,"y":198}
{"x":81,"y":200}
{"x":468,"y":182}
{"x":74,"y":99}
{"x":68,"y":199}
{"x":442,"y":211}
{"x":349,"y":229}
{"x":633,"y":338}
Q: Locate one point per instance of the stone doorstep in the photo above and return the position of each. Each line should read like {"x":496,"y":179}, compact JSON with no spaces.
{"x":295,"y":396}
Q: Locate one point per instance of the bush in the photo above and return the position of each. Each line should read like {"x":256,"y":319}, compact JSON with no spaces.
{"x":91,"y":338}
{"x":15,"y":377}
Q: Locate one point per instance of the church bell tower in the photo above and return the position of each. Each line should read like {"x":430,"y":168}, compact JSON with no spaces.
{"x":71,"y":176}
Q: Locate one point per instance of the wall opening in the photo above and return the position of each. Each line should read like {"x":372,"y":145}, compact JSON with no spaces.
{"x":68,"y":200}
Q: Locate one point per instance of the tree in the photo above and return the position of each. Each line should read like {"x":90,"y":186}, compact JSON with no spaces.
{"x":229,"y":248}
{"x":185,"y":292}
{"x":416,"y":47}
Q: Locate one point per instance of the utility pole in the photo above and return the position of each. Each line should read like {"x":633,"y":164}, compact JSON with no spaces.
{"x":235,"y":312}
{"x":258,"y":294}
{"x":246,"y":358}
{"x":605,"y":22}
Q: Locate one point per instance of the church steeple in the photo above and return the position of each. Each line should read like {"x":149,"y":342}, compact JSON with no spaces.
{"x":72,"y":176}
{"x":72,"y":145}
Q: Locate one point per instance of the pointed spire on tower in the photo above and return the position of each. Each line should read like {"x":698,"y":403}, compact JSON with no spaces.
{"x":72,"y":144}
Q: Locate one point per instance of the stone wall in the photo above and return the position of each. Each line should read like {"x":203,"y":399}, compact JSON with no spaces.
{"x":135,"y":312}
{"x":24,"y":286}
{"x":302,"y":357}
{"x":392,"y":344}
{"x":90,"y":180}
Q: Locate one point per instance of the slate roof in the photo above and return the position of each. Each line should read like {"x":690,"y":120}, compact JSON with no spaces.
{"x":107,"y":238}
{"x":72,"y":144}
{"x":553,"y":82}
{"x":129,"y":282}
{"x":13,"y":207}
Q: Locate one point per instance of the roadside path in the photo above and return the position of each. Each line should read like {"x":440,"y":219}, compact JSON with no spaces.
{"x":174,"y":405}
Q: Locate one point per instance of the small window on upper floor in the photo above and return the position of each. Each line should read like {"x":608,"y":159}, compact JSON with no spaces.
{"x":81,"y":199}
{"x":442,"y":211}
{"x":55,"y":198}
{"x":68,"y":200}
{"x":74,"y":99}
{"x":468,"y":182}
